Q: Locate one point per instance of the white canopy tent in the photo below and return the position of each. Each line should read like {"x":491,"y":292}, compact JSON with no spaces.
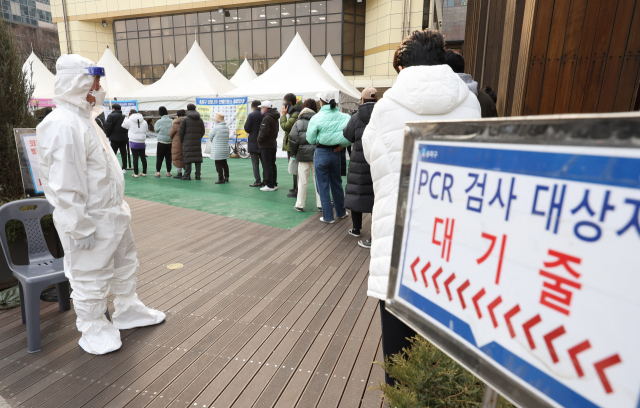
{"x":117,"y":80}
{"x":332,"y":69}
{"x":42,"y":79}
{"x":168,"y":71}
{"x":306,"y":79}
{"x":194,"y":77}
{"x":244,"y":74}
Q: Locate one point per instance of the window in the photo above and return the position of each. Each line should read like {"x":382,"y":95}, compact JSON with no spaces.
{"x":146,"y":46}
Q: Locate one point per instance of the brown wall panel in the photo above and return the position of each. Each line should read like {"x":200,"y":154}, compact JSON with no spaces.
{"x":515,"y":52}
{"x":601,"y":45}
{"x":619,"y":40}
{"x":575,"y":24}
{"x":538,"y":56}
{"x":554,"y":54}
{"x":630,"y":74}
{"x":584,"y":55}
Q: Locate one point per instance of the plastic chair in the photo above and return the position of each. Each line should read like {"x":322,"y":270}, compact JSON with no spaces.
{"x":43,"y":269}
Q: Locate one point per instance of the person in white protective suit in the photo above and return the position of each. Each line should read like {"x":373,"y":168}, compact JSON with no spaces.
{"x":83,"y":180}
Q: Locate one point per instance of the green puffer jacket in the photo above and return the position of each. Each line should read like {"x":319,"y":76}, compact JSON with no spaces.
{"x":287,"y":124}
{"x":162,"y":128}
{"x":326,"y":127}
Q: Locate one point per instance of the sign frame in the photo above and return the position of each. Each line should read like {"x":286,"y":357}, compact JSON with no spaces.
{"x":28,"y":181}
{"x":617,"y":130}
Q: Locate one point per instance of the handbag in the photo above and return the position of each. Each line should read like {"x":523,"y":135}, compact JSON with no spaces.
{"x":207,"y":148}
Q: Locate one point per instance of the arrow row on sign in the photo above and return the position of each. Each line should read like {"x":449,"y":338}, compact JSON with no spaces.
{"x":434,"y":277}
{"x":423,"y":271}
{"x":460,"y":290}
{"x":601,"y":365}
{"x":492,"y":306}
{"x":548,"y":339}
{"x":413,"y":268}
{"x":573,"y":353}
{"x":447,"y":283}
{"x":527,"y":329}
{"x":475,"y":302}
{"x":508,"y":316}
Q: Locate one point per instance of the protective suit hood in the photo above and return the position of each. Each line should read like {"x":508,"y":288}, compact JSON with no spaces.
{"x":72,"y":88}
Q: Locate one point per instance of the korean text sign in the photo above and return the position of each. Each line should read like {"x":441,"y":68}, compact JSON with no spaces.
{"x":233,"y":109}
{"x":529,"y":255}
{"x":125,"y":107}
{"x":27,"y":147}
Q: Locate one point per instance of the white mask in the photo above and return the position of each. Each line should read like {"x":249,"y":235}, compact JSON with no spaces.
{"x":99,"y":96}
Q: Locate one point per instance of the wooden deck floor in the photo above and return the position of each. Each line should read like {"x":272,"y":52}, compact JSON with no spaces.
{"x":257,"y":317}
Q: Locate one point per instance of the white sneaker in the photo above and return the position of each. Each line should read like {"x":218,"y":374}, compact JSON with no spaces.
{"x":267,"y":188}
{"x":346,"y":214}
{"x":275,"y":188}
{"x":124,"y":171}
{"x":328,"y":222}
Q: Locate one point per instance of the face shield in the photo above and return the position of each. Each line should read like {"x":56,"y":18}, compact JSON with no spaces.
{"x":75,"y":82}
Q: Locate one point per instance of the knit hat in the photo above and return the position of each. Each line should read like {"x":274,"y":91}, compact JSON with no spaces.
{"x":218,"y":117}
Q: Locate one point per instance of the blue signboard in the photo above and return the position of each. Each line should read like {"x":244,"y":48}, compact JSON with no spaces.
{"x":526,"y":255}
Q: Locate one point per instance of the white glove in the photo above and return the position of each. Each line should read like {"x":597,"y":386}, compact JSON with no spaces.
{"x":85,"y":243}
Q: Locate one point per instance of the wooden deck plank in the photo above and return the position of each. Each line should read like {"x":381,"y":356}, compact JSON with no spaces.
{"x":251,"y":307}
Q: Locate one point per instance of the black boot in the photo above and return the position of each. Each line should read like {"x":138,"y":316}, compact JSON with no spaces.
{"x":178,"y":176}
{"x":221,"y":181}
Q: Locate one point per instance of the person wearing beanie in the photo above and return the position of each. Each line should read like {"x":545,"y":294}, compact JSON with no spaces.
{"x":118,"y":136}
{"x":219,"y":136}
{"x":163,"y":150}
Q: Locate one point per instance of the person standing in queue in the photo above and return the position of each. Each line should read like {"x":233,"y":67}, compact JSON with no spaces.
{"x":176,"y":144}
{"x":302,"y":151}
{"x":118,"y":136}
{"x":137,"y":140}
{"x":292,"y":109}
{"x":325,"y":130}
{"x":191,"y":133}
{"x":219,"y":136}
{"x":163,"y":150}
{"x":359,"y":191}
{"x":252,"y":127}
{"x":268,"y":143}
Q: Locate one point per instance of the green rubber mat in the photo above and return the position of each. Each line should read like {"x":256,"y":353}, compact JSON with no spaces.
{"x":234,"y":199}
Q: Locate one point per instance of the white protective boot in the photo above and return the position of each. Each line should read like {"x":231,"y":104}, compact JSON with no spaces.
{"x":131,"y":312}
{"x":98,"y":334}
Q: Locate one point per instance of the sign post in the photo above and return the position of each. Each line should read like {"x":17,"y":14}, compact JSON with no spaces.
{"x":517,"y":252}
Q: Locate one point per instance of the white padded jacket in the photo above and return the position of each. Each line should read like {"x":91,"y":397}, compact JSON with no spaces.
{"x":421,"y":93}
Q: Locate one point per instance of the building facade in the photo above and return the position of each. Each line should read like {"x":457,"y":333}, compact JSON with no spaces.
{"x":32,"y":25}
{"x":147,"y":35}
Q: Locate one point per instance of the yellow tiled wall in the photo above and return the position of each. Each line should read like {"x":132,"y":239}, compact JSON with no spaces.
{"x":383,"y":33}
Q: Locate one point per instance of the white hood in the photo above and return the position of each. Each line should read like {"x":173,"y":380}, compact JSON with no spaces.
{"x":428,"y":90}
{"x":72,"y":88}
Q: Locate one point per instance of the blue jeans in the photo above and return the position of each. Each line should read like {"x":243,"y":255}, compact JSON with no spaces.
{"x":328,"y":180}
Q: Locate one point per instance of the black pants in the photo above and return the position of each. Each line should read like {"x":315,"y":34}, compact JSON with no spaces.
{"x":256,"y":159}
{"x":187,"y":169}
{"x":139,"y":153}
{"x":356,"y":218}
{"x":122,"y":146}
{"x":269,"y":166}
{"x":394,"y":336}
{"x":295,"y":178}
{"x":222,"y":168}
{"x":163,"y":152}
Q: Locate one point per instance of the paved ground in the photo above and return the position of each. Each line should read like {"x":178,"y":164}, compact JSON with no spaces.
{"x":235,"y":199}
{"x":258,"y":316}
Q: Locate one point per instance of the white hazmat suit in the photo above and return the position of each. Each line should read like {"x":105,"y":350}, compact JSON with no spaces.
{"x":83,"y":180}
